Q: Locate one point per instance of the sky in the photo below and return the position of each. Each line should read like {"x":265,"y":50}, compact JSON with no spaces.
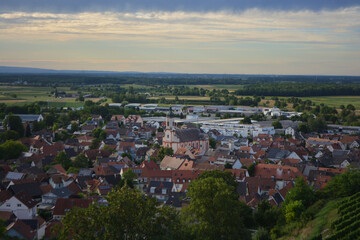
{"x":307,"y":37}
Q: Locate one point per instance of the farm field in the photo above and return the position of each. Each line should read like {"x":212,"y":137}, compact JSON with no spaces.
{"x":336,"y":101}
{"x":25,"y":95}
{"x":231,"y":88}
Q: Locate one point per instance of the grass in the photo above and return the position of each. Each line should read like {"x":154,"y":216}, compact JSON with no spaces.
{"x":336,"y":101}
{"x":319,"y":225}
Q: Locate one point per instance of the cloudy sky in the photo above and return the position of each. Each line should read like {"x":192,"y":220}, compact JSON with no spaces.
{"x":206,"y":36}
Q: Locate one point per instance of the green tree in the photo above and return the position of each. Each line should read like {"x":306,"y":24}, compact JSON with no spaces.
{"x":11,"y":149}
{"x":95,"y":144}
{"x":164,"y":151}
{"x":301,"y":192}
{"x":64,"y":160}
{"x":27,"y":131}
{"x":246,"y":120}
{"x":261,"y":234}
{"x":81,"y":161}
{"x":345,"y":184}
{"x":251,"y":169}
{"x":277,"y":125}
{"x":293,"y":210}
{"x":267,"y":215}
{"x":128,"y":215}
{"x":212,"y":143}
{"x":13,"y":122}
{"x":9,"y":135}
{"x":225,"y":175}
{"x":128,"y":178}
{"x":214,"y":211}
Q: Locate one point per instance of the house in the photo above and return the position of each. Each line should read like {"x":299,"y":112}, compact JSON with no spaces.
{"x":20,"y":230}
{"x":51,"y":197}
{"x":64,"y":205}
{"x":171,"y":163}
{"x":21,"y":204}
{"x":28,"y":118}
{"x":120,"y":119}
{"x":159,"y":190}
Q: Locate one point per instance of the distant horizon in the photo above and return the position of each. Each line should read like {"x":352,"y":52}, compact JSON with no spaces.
{"x":89,"y":71}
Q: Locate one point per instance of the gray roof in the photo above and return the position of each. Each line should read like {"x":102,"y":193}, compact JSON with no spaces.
{"x":175,"y":199}
{"x":28,"y":117}
{"x":241,"y":188}
{"x":14,"y":176}
{"x":85,"y":172}
{"x":340,"y":153}
{"x":188,"y":135}
{"x":62,"y":192}
{"x":275,"y":153}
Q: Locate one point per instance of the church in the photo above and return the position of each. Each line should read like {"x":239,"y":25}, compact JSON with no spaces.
{"x":192,"y":138}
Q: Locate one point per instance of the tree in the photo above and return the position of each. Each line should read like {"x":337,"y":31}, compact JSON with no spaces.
{"x":214,"y":211}
{"x":128,"y":178}
{"x":128,"y":215}
{"x":13,"y":122}
{"x":164,"y":151}
{"x":277,"y":125}
{"x":95,"y":144}
{"x":10,"y":135}
{"x":63,"y":159}
{"x":28,"y":131}
{"x":251,"y":169}
{"x":301,"y":192}
{"x":212,"y":143}
{"x":228,"y":166}
{"x":267,"y":215}
{"x":261,"y":234}
{"x":81,"y":161}
{"x":225,"y":175}
{"x":293,"y":210}
{"x":345,"y":184}
{"x":246,"y":120}
{"x":11,"y":149}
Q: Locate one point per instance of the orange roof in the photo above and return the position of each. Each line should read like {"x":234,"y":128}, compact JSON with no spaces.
{"x":276,"y":171}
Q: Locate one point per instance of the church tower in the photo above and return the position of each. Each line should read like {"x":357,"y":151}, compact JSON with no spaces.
{"x":170,"y":120}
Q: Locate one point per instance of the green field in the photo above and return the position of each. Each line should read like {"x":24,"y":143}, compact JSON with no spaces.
{"x":336,"y":101}
{"x":26,"y":94}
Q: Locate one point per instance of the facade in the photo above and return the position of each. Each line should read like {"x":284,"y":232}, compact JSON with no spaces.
{"x":191,"y":138}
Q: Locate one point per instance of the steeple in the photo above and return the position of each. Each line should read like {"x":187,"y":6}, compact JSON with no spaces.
{"x":170,"y":119}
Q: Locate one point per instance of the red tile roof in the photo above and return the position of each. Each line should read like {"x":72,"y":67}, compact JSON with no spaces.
{"x":63,"y":205}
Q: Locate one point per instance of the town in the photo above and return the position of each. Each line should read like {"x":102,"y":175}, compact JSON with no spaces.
{"x":62,"y":160}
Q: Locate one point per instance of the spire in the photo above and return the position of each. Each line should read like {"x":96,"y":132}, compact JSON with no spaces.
{"x":170,"y":114}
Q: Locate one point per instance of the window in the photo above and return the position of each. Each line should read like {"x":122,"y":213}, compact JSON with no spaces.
{"x":19,"y":205}
{"x":164,"y":191}
{"x":8,"y":205}
{"x":152,"y":190}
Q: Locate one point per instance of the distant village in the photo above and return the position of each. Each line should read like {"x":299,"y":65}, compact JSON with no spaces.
{"x":165,"y":154}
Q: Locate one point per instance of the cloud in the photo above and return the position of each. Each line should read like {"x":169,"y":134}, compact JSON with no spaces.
{"x":253,"y":25}
{"x":71,"y":6}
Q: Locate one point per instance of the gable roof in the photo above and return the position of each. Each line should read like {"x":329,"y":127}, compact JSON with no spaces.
{"x":63,"y":205}
{"x":171,"y":162}
{"x":188,"y":135}
{"x":23,"y":229}
{"x":25,"y":199}
{"x":31,"y":188}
